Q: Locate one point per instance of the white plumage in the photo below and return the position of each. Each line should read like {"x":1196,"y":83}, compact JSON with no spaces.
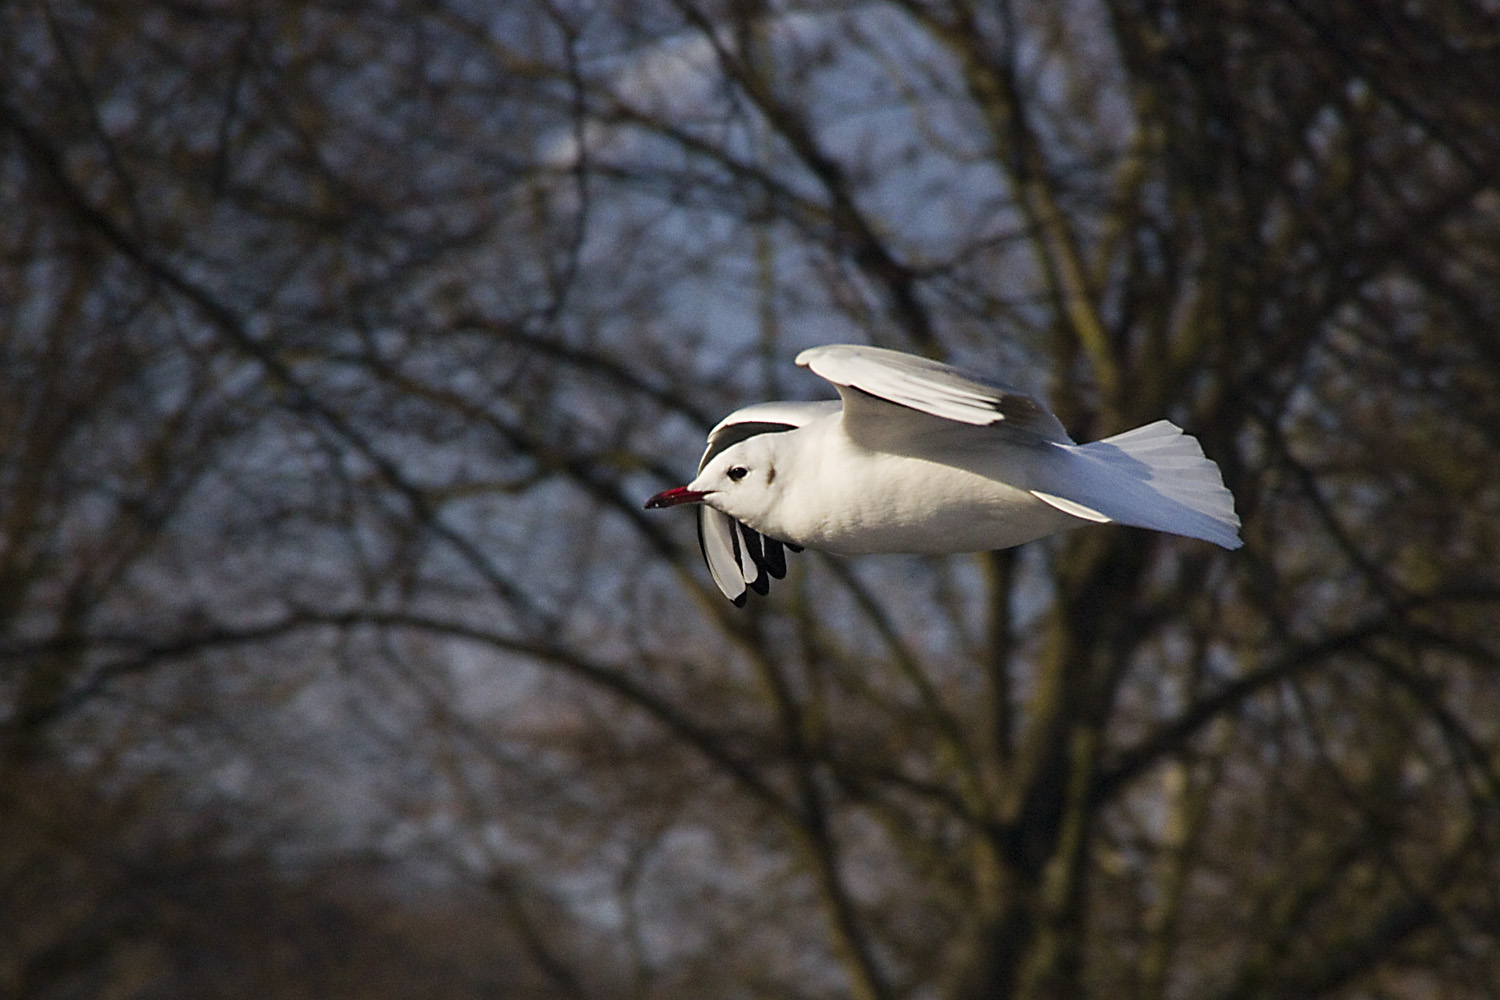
{"x":921,"y":457}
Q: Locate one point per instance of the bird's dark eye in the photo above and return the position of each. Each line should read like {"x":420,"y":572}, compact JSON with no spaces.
{"x":736,"y":473}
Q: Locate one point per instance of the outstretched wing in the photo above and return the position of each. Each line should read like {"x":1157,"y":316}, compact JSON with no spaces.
{"x":925,"y":386}
{"x":739,"y":558}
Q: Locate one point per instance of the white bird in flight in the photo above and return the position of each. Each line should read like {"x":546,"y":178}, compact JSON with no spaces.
{"x":919,"y":457}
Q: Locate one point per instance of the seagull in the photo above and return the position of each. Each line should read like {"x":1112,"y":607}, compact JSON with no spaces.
{"x":920,"y":457}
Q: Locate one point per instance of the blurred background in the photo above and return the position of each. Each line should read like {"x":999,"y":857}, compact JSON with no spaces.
{"x":340,"y":343}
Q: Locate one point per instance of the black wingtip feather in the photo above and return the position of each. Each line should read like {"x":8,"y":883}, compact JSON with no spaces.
{"x":775,"y":558}
{"x":753,"y":546}
{"x":762,"y":582}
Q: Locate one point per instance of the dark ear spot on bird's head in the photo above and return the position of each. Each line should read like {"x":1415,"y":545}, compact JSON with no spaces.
{"x":770,"y":474}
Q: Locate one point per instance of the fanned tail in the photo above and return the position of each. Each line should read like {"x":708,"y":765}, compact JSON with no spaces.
{"x":1153,"y":477}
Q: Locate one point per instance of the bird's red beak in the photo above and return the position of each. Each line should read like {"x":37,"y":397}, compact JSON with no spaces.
{"x":673,"y":497}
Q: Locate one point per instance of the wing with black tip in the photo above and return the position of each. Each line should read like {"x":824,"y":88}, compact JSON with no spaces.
{"x":906,"y":380}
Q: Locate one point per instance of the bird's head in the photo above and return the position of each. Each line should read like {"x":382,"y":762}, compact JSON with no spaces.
{"x":740,"y":481}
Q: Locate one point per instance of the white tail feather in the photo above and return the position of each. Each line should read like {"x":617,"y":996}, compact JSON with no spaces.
{"x":1153,"y":477}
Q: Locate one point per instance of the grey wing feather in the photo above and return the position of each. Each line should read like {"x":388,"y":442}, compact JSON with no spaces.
{"x":716,"y":537}
{"x":931,"y":387}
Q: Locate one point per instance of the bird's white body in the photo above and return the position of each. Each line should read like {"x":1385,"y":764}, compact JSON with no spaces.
{"x":840,"y":494}
{"x":919,"y":457}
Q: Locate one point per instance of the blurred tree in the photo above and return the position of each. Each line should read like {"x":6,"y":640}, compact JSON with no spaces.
{"x":342,"y":341}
